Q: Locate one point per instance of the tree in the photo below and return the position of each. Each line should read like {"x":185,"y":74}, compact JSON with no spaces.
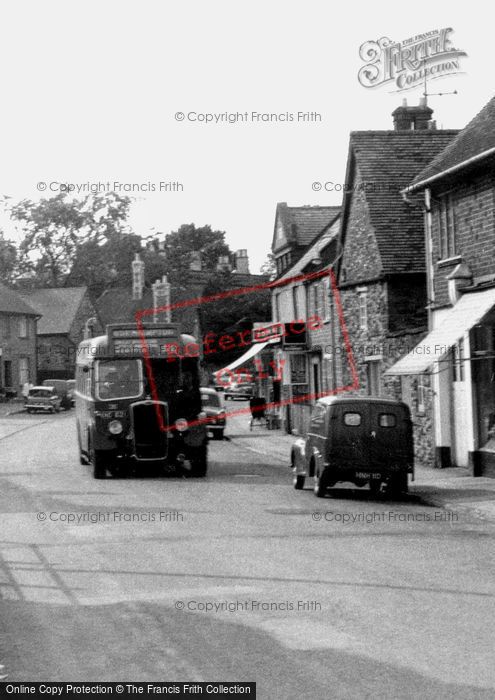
{"x":57,"y":230}
{"x":231,"y":314}
{"x":8,"y":259}
{"x":269,"y":267}
{"x":98,"y":266}
{"x":177,"y":252}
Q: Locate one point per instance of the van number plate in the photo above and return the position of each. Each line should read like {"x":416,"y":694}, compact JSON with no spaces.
{"x":368,"y":475}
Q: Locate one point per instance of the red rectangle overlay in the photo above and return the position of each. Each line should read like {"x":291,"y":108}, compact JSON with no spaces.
{"x":197,"y":301}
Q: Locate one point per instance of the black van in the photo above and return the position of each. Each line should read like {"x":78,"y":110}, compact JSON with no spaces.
{"x":362,"y":440}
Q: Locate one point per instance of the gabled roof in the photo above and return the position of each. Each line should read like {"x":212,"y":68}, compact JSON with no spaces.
{"x":302,"y":224}
{"x":57,"y":306}
{"x":11,"y":302}
{"x":321,"y":246}
{"x":476,"y":140}
{"x":387,"y":161}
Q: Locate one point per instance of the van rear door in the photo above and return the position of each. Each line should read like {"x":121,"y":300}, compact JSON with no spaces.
{"x":389,"y":444}
{"x":349,"y":435}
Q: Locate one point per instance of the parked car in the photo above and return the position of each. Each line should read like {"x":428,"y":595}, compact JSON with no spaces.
{"x":361,"y":440}
{"x":239,"y":390}
{"x":71,"y":383}
{"x":43,"y":398}
{"x":212,"y":406}
{"x":63,"y":389}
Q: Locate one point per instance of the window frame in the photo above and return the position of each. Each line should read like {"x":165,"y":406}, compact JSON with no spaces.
{"x":327,"y":306}
{"x":363,"y":310}
{"x":421,"y":398}
{"x":458,"y":361}
{"x":447,"y":247}
{"x":22,"y":326}
{"x":371,"y":367}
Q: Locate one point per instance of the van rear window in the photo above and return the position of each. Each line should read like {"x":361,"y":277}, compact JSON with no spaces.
{"x":387,"y":420}
{"x":353,"y":419}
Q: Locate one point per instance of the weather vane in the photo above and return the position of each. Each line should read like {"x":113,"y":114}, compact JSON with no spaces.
{"x":427,"y":94}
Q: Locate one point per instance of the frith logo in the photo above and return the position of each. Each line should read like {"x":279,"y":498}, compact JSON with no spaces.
{"x":408,"y":63}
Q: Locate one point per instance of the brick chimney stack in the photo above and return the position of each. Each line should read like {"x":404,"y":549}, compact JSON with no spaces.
{"x":414,"y":118}
{"x":161,"y":297}
{"x":223,"y":263}
{"x":137,"y":277}
{"x":241,"y":261}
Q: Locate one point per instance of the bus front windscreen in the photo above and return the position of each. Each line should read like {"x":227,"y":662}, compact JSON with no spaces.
{"x":119,"y":379}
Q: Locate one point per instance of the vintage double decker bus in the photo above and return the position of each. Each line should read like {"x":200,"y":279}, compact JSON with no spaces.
{"x":136,"y":404}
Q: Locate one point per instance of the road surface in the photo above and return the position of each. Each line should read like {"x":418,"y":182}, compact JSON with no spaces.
{"x":237,"y":577}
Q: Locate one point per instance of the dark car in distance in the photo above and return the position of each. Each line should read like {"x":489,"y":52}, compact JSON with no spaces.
{"x":215,"y":412}
{"x":239,"y":390}
{"x":361,"y":440}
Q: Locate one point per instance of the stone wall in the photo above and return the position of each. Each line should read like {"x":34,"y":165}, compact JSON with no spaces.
{"x":378,"y":343}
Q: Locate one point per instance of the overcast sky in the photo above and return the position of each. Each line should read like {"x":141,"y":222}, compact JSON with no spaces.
{"x":90,"y":90}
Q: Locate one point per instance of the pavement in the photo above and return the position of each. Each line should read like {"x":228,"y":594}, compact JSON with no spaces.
{"x":453,"y":489}
{"x":10,"y":408}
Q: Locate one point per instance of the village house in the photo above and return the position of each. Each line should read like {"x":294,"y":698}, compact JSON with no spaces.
{"x":381,"y":271}
{"x":17,"y":343}
{"x":458,"y":356}
{"x":67,"y":315}
{"x":305,"y":243}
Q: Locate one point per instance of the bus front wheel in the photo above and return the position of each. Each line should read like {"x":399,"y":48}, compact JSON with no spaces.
{"x":199,"y":461}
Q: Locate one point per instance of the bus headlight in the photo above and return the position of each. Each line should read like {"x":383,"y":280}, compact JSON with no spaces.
{"x":181,"y":424}
{"x":115,"y":427}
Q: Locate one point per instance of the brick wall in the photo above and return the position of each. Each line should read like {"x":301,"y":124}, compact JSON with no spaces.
{"x":474,"y":212}
{"x":14,"y":347}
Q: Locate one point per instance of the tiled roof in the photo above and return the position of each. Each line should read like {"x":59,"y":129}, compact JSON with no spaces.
{"x":320,"y":244}
{"x":116,"y":305}
{"x":305,"y":223}
{"x":57,"y":306}
{"x":12,"y":302}
{"x":301,"y":225}
{"x":387,"y":162}
{"x":478,"y":136}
